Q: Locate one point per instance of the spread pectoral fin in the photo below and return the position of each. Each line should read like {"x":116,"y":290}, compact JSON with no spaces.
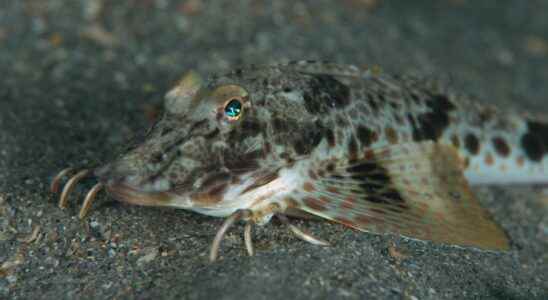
{"x":416,"y":190}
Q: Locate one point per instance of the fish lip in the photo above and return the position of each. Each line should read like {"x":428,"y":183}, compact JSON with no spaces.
{"x":129,"y":194}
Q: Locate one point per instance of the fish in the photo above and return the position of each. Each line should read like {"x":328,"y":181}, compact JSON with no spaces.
{"x":377,"y":152}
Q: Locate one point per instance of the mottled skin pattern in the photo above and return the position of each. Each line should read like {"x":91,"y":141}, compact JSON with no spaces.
{"x":348,"y":144}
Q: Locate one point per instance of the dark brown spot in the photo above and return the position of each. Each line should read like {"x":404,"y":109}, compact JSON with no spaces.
{"x":166,"y":130}
{"x":325,"y":93}
{"x":352,"y":149}
{"x":416,"y":99}
{"x":486,"y":115}
{"x":217,"y":191}
{"x":430,"y":125}
{"x":311,"y":136}
{"x":471,"y":143}
{"x":238,"y":72}
{"x":372,"y":103}
{"x":369,"y":155}
{"x":251,"y":127}
{"x":391,"y":135}
{"x":279,"y":125}
{"x":533,"y":147}
{"x":365,"y":135}
{"x":455,"y":141}
{"x":363,"y":219}
{"x":215,"y":179}
{"x":267,"y":148}
{"x":212,"y":134}
{"x":260,"y":181}
{"x":501,"y":146}
{"x":156,"y":157}
{"x":535,"y":141}
{"x":330,"y":137}
{"x":312,"y":174}
{"x":375,"y":183}
{"x":243,"y":163}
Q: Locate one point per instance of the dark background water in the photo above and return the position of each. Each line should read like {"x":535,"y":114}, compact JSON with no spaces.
{"x":78,"y":79}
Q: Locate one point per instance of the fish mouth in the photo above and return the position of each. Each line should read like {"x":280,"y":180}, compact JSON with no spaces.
{"x":128,"y":194}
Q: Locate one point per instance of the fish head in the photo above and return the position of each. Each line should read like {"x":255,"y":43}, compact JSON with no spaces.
{"x":219,"y":139}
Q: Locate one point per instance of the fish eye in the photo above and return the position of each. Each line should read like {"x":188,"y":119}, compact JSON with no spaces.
{"x":233,"y":109}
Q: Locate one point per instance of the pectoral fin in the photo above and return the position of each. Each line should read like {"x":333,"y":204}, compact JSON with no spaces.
{"x":415,"y":190}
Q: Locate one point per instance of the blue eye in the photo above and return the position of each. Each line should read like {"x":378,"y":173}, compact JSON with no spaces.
{"x":233,"y":109}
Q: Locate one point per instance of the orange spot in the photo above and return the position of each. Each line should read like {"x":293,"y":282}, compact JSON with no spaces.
{"x":324,"y":200}
{"x":309,"y":187}
{"x":427,"y":233}
{"x":345,"y":221}
{"x":439,"y":217}
{"x":423,"y":207}
{"x":369,"y":154}
{"x":348,"y":203}
{"x":56,"y":39}
{"x":391,"y":135}
{"x":290,"y":202}
{"x":362,"y":219}
{"x":385,"y":153}
{"x":489,"y":160}
{"x":413,"y":231}
{"x":520,"y":161}
{"x":333,"y":190}
{"x":314,"y":204}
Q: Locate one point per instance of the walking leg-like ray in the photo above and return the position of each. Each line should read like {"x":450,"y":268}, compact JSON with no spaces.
{"x":248,"y":239}
{"x":69,"y":187}
{"x":233,"y":218}
{"x":55,"y":183}
{"x":90,"y":197}
{"x":303,"y":235}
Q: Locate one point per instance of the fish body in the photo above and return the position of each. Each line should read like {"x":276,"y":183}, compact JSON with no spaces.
{"x":379,"y":153}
